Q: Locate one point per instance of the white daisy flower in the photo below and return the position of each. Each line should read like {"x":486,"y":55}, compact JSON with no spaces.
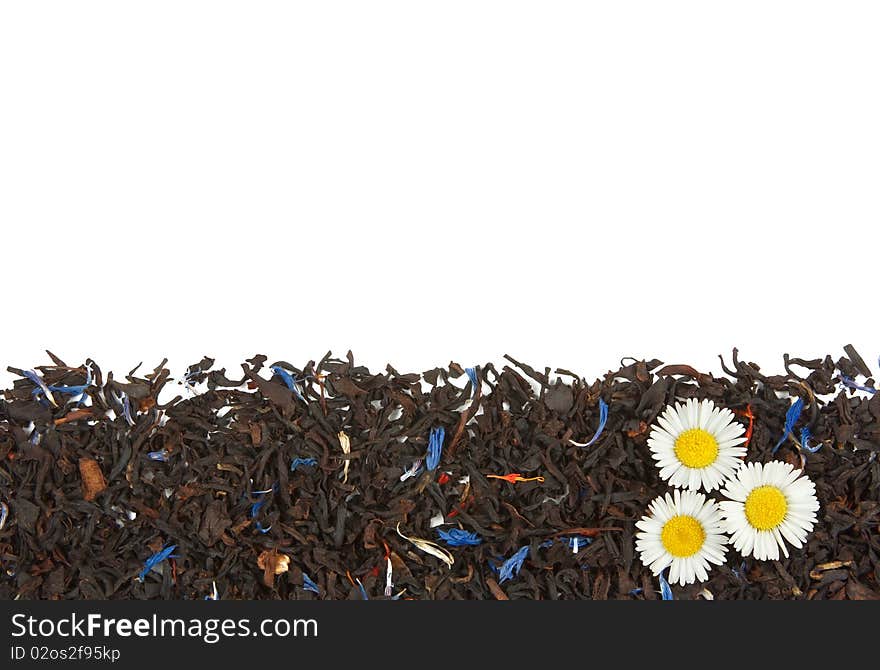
{"x":683,"y":532}
{"x":768,"y":504}
{"x":697,"y":444}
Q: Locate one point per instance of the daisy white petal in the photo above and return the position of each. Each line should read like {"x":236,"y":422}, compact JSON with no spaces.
{"x":769,"y":505}
{"x":687,"y":539}
{"x":697,"y":445}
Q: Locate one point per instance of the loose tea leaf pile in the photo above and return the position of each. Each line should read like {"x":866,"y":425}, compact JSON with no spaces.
{"x":320,"y":482}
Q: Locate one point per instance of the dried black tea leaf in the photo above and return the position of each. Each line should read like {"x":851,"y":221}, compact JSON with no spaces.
{"x":327,"y":480}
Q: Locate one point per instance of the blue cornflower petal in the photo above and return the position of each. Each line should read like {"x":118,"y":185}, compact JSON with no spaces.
{"x":603,"y":419}
{"x":4,"y":514}
{"x":155,"y":559}
{"x":288,"y":380}
{"x":305,"y":462}
{"x":34,"y":377}
{"x":472,"y":375}
{"x":79,"y":389}
{"x":435,"y":447}
{"x":309,"y":585}
{"x":577,"y":543}
{"x":635,"y":592}
{"x":665,"y":589}
{"x":414,"y":470}
{"x":260,"y":528}
{"x":70,"y":390}
{"x":511,"y":567}
{"x":41,"y":385}
{"x":456,"y":537}
{"x":806,"y":436}
{"x":158,"y":455}
{"x":262,"y":500}
{"x":126,"y":408}
{"x":257,"y":506}
{"x":849,"y":382}
{"x":741,"y":573}
{"x":363,"y":590}
{"x":791,"y":418}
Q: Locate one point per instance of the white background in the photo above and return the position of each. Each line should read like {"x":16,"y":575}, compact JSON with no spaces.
{"x":568,"y":182}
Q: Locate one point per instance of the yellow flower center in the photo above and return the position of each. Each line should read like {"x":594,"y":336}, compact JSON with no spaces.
{"x":682,"y":536}
{"x":766,"y":507}
{"x":696,"y":448}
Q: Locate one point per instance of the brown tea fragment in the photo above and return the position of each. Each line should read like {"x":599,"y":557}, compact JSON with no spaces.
{"x":819,"y":571}
{"x":272,"y":563}
{"x":92,"y":478}
{"x":496,"y":590}
{"x":75,"y":415}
